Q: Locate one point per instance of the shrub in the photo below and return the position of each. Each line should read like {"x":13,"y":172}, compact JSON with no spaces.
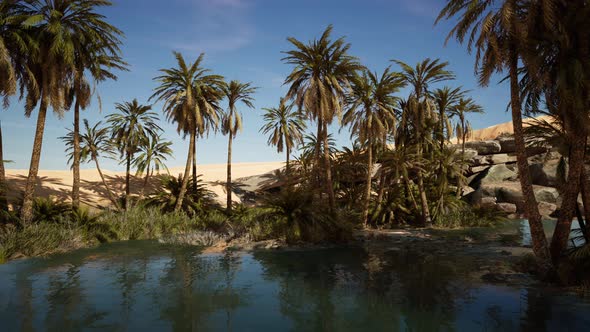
{"x":47,"y":210}
{"x":39,"y":240}
{"x":469,"y":216}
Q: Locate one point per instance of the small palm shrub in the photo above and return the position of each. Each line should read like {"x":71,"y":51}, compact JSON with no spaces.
{"x":92,"y":227}
{"x":47,"y":210}
{"x":196,"y":202}
{"x":304,"y":218}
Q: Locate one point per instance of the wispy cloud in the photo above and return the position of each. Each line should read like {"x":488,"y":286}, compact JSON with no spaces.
{"x":214,"y":26}
{"x":425,"y":8}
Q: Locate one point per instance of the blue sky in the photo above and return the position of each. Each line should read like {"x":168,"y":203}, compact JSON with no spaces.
{"x":243,"y":40}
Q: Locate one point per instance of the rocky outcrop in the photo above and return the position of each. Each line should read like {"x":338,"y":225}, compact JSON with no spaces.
{"x":493,"y":176}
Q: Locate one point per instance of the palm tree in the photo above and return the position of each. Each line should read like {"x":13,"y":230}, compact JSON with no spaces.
{"x":15,"y":43}
{"x":420,"y":78}
{"x":445,"y":99}
{"x":59,"y":29}
{"x":557,"y":68}
{"x":3,"y":200}
{"x":95,"y":142}
{"x":98,"y":60}
{"x":495,"y":29}
{"x":286,"y":128}
{"x":133,"y":124}
{"x":153,"y":152}
{"x":191,"y":99}
{"x":235,"y":92}
{"x":371,"y":115}
{"x":463,"y":129}
{"x":318,"y":84}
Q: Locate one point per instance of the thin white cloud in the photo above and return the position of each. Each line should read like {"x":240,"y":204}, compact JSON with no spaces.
{"x":425,"y":8}
{"x":214,"y":26}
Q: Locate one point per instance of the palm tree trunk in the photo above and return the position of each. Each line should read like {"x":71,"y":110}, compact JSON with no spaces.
{"x":195,"y":176}
{"x":463,"y":138}
{"x":76,"y":159}
{"x":539,"y":241}
{"x":145,"y":183}
{"x":106,"y":185}
{"x":187,"y":172}
{"x":27,"y":208}
{"x":585,"y":189}
{"x":328,"y":170}
{"x":318,"y":160}
{"x":288,"y":153}
{"x":570,"y":196}
{"x":3,"y":183}
{"x":128,"y":181}
{"x":381,"y":192}
{"x":228,"y":186}
{"x":368,"y":180}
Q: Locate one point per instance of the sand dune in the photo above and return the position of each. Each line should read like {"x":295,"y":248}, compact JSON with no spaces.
{"x":496,"y":130}
{"x":58,"y":184}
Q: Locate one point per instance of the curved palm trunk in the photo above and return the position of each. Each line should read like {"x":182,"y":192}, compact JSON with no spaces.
{"x":381,"y":191}
{"x":228,"y":186}
{"x":3,"y":183}
{"x":328,"y":170}
{"x":539,"y":241}
{"x":585,"y":189}
{"x":570,"y":197}
{"x":318,"y":160}
{"x":128,"y":181}
{"x":463,"y":139}
{"x":106,"y":185}
{"x":288,"y":153}
{"x":76,"y":159}
{"x":145,"y":184}
{"x":195,"y":176}
{"x":368,"y":180}
{"x":27,"y":208}
{"x":187,"y":173}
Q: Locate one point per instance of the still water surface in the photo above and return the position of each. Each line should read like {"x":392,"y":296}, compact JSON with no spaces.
{"x":146,"y":286}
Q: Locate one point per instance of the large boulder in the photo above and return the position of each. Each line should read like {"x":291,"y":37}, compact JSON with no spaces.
{"x":508,"y":208}
{"x":493,"y":159}
{"x":510,"y":192}
{"x":544,"y":174}
{"x":484,"y":147}
{"x":498,"y":173}
{"x":547,"y":210}
{"x":506,"y":144}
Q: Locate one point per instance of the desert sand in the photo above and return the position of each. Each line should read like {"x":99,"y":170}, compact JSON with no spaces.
{"x":58,"y":184}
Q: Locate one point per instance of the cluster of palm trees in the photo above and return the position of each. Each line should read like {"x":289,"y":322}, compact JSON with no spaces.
{"x":327,"y":83}
{"x":542,"y":46}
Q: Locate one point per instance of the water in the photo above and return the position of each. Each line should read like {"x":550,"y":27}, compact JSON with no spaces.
{"x":145,"y":286}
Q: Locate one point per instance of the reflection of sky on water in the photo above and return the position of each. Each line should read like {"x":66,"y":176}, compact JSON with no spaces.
{"x":150,"y":287}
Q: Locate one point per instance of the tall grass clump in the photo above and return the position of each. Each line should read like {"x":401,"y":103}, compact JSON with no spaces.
{"x":469,"y":216}
{"x":139,"y":223}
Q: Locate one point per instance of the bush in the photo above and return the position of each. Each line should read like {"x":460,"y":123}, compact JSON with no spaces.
{"x":39,"y":240}
{"x":469,"y":216}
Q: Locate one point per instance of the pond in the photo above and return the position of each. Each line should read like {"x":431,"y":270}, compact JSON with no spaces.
{"x":147,"y":286}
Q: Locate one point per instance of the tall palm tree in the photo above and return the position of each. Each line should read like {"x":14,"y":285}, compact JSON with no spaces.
{"x":98,"y":59}
{"x":132,"y":125}
{"x":95,"y":142}
{"x":285,"y":126}
{"x":371,"y":115}
{"x":556,"y":58}
{"x":235,"y":92}
{"x":494,"y":28}
{"x":445,"y":99}
{"x":60,"y":29}
{"x":463,"y":129}
{"x":153,"y":152}
{"x":318,"y":83}
{"x":15,"y":43}
{"x":3,"y":200}
{"x":420,"y":78}
{"x":191,"y":99}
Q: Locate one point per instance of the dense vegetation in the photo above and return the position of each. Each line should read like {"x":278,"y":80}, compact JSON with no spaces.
{"x":401,"y":167}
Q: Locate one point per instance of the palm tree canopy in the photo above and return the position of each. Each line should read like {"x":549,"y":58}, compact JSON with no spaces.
{"x":133,"y":124}
{"x":153,"y":152}
{"x":322,"y":74}
{"x":236,"y":92}
{"x":285,"y":126}
{"x":371,"y":104}
{"x":95,"y":141}
{"x":424,"y":74}
{"x":191,"y":96}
